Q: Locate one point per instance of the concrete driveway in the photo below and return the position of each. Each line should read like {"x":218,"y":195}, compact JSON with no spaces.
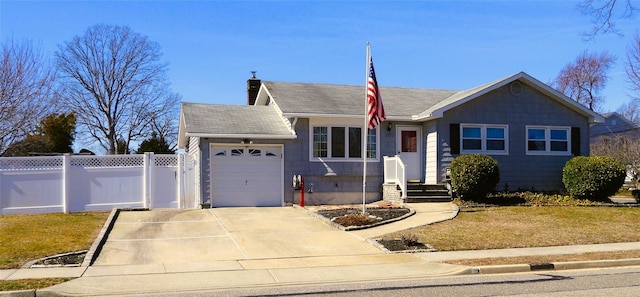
{"x":226,"y":234}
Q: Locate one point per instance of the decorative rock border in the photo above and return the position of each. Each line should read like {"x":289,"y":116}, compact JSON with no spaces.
{"x":352,"y":228}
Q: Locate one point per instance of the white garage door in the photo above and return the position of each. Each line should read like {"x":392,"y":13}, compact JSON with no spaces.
{"x":246,"y":176}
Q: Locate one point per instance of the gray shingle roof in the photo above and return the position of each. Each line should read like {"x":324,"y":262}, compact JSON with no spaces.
{"x":608,"y":127}
{"x":217,"y":119}
{"x":312,"y":98}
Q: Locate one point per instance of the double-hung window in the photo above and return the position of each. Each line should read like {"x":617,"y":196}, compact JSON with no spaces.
{"x":548,"y":140}
{"x":486,"y":139}
{"x":341,"y":142}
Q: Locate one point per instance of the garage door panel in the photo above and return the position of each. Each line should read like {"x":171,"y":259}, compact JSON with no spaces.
{"x":246,"y":176}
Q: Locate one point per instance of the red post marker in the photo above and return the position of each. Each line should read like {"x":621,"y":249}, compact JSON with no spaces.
{"x":302,"y":191}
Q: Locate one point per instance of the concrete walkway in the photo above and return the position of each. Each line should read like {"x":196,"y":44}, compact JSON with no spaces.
{"x":216,"y":249}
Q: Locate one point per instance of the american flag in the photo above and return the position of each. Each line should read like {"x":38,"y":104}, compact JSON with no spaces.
{"x":375,"y":110}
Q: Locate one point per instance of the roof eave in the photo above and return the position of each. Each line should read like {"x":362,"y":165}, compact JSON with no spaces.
{"x":343,"y":116}
{"x":241,"y":136}
{"x":320,"y":115}
{"x":428,"y":116}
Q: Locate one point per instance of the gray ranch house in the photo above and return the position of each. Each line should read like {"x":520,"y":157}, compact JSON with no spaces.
{"x":614,"y":125}
{"x":248,"y":155}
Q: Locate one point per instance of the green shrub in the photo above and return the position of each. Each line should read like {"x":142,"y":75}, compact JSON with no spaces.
{"x":594,"y":178}
{"x":474,"y":176}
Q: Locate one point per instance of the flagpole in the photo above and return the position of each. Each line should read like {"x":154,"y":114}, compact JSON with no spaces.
{"x":365,"y":131}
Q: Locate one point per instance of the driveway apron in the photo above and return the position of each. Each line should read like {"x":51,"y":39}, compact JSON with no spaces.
{"x":224,"y":234}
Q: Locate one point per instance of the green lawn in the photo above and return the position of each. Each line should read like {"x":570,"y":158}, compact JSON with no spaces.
{"x":520,"y":226}
{"x":29,"y":237}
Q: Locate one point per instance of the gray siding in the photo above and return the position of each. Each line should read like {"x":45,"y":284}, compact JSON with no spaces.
{"x":517,"y":170}
{"x":348,"y":177}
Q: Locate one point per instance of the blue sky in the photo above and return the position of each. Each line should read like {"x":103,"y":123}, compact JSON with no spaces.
{"x":211,"y":46}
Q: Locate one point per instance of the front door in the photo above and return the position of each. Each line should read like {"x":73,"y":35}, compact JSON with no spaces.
{"x":409,"y":146}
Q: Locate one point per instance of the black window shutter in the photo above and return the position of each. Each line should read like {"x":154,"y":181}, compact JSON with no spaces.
{"x":454,"y":141}
{"x":575,"y":141}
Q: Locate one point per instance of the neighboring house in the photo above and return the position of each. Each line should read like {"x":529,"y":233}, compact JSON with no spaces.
{"x":617,"y":132}
{"x":247,"y":155}
{"x":614,"y":125}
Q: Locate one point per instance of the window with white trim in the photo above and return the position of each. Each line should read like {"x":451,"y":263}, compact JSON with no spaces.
{"x":485,"y":139}
{"x":548,"y":140}
{"x":342,"y":143}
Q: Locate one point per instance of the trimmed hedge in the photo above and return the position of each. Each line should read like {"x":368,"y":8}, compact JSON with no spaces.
{"x":474,"y":176}
{"x":593,"y":178}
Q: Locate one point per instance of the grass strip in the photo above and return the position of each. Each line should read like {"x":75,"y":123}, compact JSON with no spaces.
{"x":618,"y":255}
{"x":30,"y":284}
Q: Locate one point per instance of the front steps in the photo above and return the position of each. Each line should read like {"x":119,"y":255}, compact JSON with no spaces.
{"x":418,"y":192}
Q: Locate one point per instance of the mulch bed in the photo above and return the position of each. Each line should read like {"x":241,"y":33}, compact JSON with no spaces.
{"x":396,"y":245}
{"x":348,"y":217}
{"x":73,"y":259}
{"x":354,"y":217}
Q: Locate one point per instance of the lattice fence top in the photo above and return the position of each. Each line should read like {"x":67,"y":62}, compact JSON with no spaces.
{"x":31,"y":163}
{"x":166,"y":160}
{"x":57,"y":162}
{"x":108,"y":161}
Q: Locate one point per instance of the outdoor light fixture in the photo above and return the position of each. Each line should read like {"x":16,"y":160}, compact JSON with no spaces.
{"x":389,"y":128}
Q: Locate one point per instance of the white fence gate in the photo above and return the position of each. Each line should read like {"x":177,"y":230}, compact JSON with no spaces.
{"x":84,"y":183}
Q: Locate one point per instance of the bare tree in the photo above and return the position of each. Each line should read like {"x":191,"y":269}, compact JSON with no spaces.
{"x":631,"y":111}
{"x":632,"y":66}
{"x":166,"y":128}
{"x":584,"y":78}
{"x":622,"y":146}
{"x":604,"y":13}
{"x":26,"y":90}
{"x":115,"y":82}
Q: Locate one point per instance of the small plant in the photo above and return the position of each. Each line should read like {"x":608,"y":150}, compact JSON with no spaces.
{"x":594,"y":178}
{"x":410,"y":239}
{"x":354,"y":220}
{"x":474,"y":176}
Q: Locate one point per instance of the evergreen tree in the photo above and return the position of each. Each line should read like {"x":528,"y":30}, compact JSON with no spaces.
{"x":156,"y":144}
{"x":59,"y":131}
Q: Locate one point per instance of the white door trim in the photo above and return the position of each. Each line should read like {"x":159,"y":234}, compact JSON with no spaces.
{"x":414,"y":173}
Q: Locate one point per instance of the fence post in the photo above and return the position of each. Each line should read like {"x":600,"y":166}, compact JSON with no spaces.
{"x":146,"y":172}
{"x":66,"y":177}
{"x":180,"y":180}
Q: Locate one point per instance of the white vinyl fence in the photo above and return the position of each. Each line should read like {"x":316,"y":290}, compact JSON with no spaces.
{"x":72,"y":183}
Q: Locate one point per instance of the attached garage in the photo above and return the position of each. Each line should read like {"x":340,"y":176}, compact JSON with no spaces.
{"x":246,"y":175}
{"x":237,"y":153}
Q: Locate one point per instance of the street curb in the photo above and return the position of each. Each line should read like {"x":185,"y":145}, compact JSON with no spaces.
{"x":497,"y":269}
{"x":96,"y":247}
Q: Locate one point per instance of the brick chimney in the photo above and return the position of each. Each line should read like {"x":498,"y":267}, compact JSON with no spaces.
{"x":253,"y":85}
